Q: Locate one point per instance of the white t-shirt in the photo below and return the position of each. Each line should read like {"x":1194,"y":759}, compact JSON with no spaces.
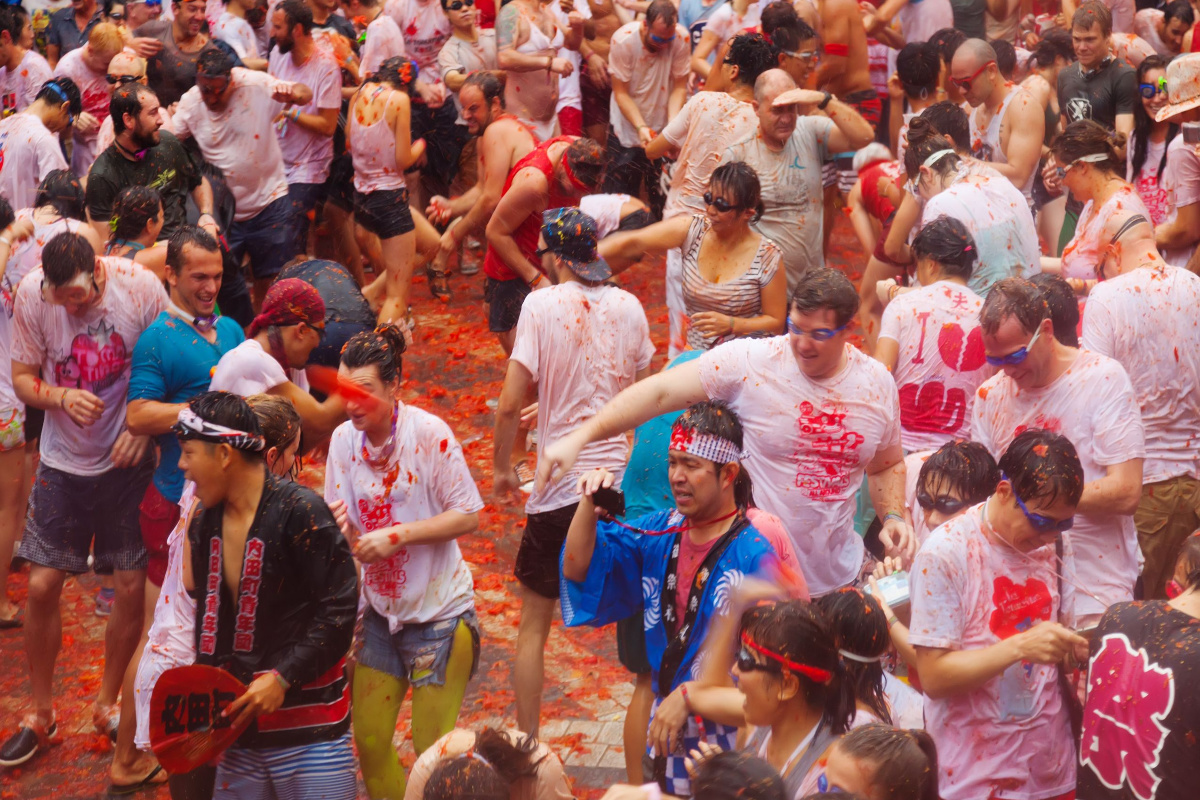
{"x":1148,"y":182}
{"x":306,"y":155}
{"x":96,"y":94}
{"x":570,"y":95}
{"x":239,"y":140}
{"x":1010,"y":737}
{"x":425,"y":29}
{"x":919,"y":21}
{"x":1094,"y":406}
{"x":940,"y":363}
{"x":238,"y":34}
{"x":725,"y":22}
{"x":383,"y":41}
{"x":649,"y":75}
{"x":1145,"y":25}
{"x":605,"y":209}
{"x":807,"y":443}
{"x":792,"y":195}
{"x":583,"y":345}
{"x":459,"y":55}
{"x":28,"y":153}
{"x":92,"y":351}
{"x":1146,"y":319}
{"x":1087,"y":246}
{"x":19,"y":88}
{"x":425,"y":476}
{"x":1181,"y":180}
{"x":708,"y":123}
{"x":249,"y":370}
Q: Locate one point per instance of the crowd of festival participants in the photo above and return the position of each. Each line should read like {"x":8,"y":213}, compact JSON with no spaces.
{"x":930,"y":536}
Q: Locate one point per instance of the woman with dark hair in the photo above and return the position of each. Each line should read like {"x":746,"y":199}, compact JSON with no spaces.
{"x":521,"y":768}
{"x":883,"y":763}
{"x":136,"y":222}
{"x":59,"y":208}
{"x":861,"y":633}
{"x":419,"y":627}
{"x":929,"y":337}
{"x":1146,"y":150}
{"x":732,"y":282}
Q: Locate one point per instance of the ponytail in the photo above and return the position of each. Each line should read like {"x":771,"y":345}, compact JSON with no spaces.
{"x":382,"y":347}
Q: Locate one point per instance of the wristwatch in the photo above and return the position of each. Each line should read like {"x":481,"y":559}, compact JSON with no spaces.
{"x":821,"y":105}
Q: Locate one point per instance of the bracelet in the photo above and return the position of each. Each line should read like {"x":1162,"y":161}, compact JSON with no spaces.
{"x":893,"y":515}
{"x":281,"y":680}
{"x":892,"y":620}
{"x":687,"y":701}
{"x":62,"y":399}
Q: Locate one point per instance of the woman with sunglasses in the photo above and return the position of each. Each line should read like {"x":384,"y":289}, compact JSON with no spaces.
{"x":992,"y":611}
{"x":732,"y":282}
{"x":1146,"y":150}
{"x":929,"y":338}
{"x":400,"y":489}
{"x":1089,"y":165}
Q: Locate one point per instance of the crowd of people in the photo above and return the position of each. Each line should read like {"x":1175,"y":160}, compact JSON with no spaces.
{"x":933,"y":535}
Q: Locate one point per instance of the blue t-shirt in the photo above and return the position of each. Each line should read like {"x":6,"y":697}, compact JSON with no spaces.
{"x":693,"y":15}
{"x":172,"y":364}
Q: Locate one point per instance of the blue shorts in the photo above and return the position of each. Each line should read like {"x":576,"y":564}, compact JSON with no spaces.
{"x":269,"y":239}
{"x":317,"y":771}
{"x":304,"y":197}
{"x":417,"y":653}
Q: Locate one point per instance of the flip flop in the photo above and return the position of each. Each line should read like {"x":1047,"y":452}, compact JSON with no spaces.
{"x":17,"y":621}
{"x":126,"y":789}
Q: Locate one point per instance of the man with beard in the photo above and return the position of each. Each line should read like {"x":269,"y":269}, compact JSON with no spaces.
{"x":175,"y":49}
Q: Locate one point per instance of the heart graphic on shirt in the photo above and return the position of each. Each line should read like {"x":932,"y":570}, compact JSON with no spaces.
{"x":97,"y":359}
{"x":1018,"y":606}
{"x":932,"y":408}
{"x":961,"y":351}
{"x":95,"y":102}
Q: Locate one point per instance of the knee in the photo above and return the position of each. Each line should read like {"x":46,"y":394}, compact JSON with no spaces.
{"x":45,"y":587}
{"x":130,"y":587}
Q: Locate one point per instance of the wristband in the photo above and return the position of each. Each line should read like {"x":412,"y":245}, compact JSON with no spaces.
{"x":892,"y":620}
{"x":821,"y":105}
{"x":893,"y":515}
{"x":281,"y":680}
{"x":62,"y":399}
{"x":536,"y":280}
{"x":687,"y":701}
{"x":6,"y":241}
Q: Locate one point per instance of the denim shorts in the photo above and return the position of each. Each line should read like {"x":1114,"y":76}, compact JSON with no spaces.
{"x":417,"y":653}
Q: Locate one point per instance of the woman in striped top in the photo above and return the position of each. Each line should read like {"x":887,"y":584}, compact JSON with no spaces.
{"x":732,"y":284}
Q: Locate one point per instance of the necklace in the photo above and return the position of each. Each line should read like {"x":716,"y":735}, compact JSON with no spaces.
{"x":382,"y":455}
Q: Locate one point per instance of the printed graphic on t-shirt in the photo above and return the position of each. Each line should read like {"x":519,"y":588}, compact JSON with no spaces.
{"x":1079,"y":108}
{"x":97,"y":359}
{"x":827,"y":451}
{"x":1128,"y":699}
{"x":386,"y":578}
{"x":1018,"y":606}
{"x":930,"y":407}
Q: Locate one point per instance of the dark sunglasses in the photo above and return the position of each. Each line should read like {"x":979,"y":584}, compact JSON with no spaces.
{"x":1149,"y":90}
{"x":819,"y":334}
{"x":965,"y":83}
{"x":746,"y":663}
{"x":459,"y":5}
{"x":1040,"y":522}
{"x":114,"y":80}
{"x":942,"y":505}
{"x":719,"y":203}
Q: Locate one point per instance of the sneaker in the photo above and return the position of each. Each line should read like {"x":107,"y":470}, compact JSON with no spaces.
{"x":24,"y":744}
{"x":104,"y":602}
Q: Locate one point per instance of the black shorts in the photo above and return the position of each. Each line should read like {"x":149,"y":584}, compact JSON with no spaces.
{"x":537,"y":566}
{"x":339,"y":186}
{"x":504,"y":299}
{"x":384,"y":213}
{"x":72,"y":515}
{"x":631,"y":645}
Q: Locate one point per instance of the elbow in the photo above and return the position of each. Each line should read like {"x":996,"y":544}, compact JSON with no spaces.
{"x":572,"y":570}
{"x":1129,"y":499}
{"x":504,"y":60}
{"x":470,"y":523}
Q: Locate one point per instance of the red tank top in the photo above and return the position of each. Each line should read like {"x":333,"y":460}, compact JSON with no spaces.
{"x":879,"y":206}
{"x":526,"y":235}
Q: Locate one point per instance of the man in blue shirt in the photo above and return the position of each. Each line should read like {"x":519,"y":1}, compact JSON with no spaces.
{"x":63,"y":32}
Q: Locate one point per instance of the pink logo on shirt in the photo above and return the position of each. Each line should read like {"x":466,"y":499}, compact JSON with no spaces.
{"x":98,"y":358}
{"x":959,"y":351}
{"x":1018,"y":606}
{"x":1123,"y":733}
{"x":826,"y":451}
{"x":931,"y":407}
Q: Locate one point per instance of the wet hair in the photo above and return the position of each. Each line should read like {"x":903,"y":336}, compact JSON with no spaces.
{"x":489,"y":84}
{"x":398,"y":72}
{"x":860,"y":629}
{"x":737,"y":775}
{"x":231,"y":411}
{"x":11,"y":21}
{"x":181,"y":238}
{"x":1013,"y":297}
{"x":1189,"y":557}
{"x":947,"y":242}
{"x":951,"y":121}
{"x":1180,"y":10}
{"x":717,"y":418}
{"x":799,"y":631}
{"x":297,"y":12}
{"x":214,"y":63}
{"x":825,"y":288}
{"x":1093,"y":13}
{"x":1142,"y":124}
{"x":1086,"y":137}
{"x":465,"y":778}
{"x":923,"y":142}
{"x":751,"y":54}
{"x":967,"y":468}
{"x":587,"y":160}
{"x":1043,"y":465}
{"x":63,"y":192}
{"x":947,"y":41}
{"x":132,"y":211}
{"x":663,"y":10}
{"x":7,"y":216}
{"x":918,"y":65}
{"x":512,"y":761}
{"x":1006,"y":57}
{"x":382,"y":347}
{"x":65,"y":256}
{"x":61,"y":90}
{"x":1064,"y":307}
{"x":277,"y":418}
{"x":905,"y":761}
{"x":1055,"y":44}
{"x":775,"y":15}
{"x":790,"y":36}
{"x":127,"y":100}
{"x":740,"y":181}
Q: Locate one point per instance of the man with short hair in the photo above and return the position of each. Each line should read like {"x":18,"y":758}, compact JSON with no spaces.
{"x":124,"y":69}
{"x":88,"y":67}
{"x":24,"y":68}
{"x":1086,"y":397}
{"x":287,"y":633}
{"x":649,"y":62}
{"x":29,"y":145}
{"x":914,"y":86}
{"x":1007,"y":125}
{"x":787,"y":151}
{"x":230,"y":115}
{"x":818,"y":414}
{"x":179,"y":41}
{"x":603,"y":325}
{"x":1164,"y":29}
{"x":305,"y":132}
{"x":76,"y":322}
{"x":994,"y":602}
{"x":69,"y":28}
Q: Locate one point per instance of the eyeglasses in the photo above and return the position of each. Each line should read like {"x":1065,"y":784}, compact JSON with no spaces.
{"x":121,"y":80}
{"x":320,"y":329}
{"x":719,"y":203}
{"x":1016,"y":356}
{"x":965,"y":83}
{"x":1149,"y":90}
{"x":803,"y":55}
{"x":459,"y":5}
{"x":941,"y":504}
{"x":817,"y":334}
{"x":746,"y":663}
{"x":1040,"y":522}
{"x":119,"y":16}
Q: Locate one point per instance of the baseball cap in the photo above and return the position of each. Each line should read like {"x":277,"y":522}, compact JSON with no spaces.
{"x":571,"y":235}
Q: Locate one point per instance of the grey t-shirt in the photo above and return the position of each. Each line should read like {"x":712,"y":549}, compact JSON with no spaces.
{"x":172,"y":71}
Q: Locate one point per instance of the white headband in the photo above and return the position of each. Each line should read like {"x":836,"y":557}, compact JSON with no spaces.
{"x":1094,"y":158}
{"x":858,"y":658}
{"x":708,"y":446}
{"x":192,"y":426}
{"x":933,"y":159}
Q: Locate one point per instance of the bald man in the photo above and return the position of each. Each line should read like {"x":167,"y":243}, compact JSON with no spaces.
{"x":127,"y":68}
{"x":1007,"y":125}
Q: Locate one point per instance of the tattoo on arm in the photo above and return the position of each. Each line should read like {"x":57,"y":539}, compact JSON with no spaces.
{"x":507,"y":26}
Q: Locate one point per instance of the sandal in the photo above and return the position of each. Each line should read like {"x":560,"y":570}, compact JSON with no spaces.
{"x":148,"y":782}
{"x":439,"y":284}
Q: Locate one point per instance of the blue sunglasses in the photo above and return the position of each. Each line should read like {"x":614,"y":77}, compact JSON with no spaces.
{"x":818,"y":334}
{"x":1016,"y":356}
{"x":1040,"y":522}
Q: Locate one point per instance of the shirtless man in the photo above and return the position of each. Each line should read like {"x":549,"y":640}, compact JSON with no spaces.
{"x":593,"y":80}
{"x":845,"y":70}
{"x":503,"y":141}
{"x":527,"y":38}
{"x":1007,"y":125}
